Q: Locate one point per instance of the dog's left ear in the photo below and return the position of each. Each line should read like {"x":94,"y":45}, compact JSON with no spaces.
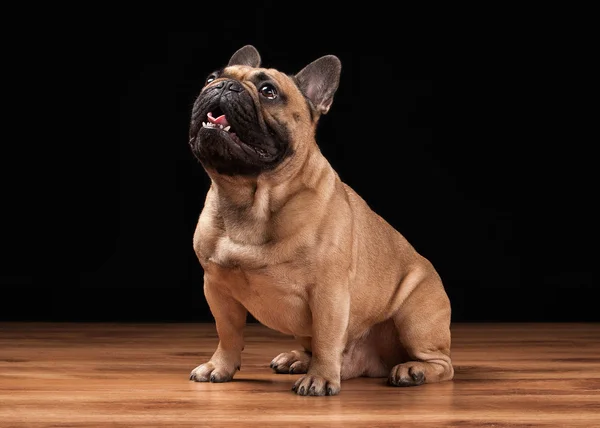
{"x":248,"y":55}
{"x":319,"y":80}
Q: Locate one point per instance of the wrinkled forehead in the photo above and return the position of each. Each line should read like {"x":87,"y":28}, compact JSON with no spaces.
{"x":258,"y":75}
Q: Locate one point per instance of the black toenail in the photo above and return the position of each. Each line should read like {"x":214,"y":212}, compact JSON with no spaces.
{"x":329,"y":391}
{"x":417,"y":376}
{"x":213,"y":378}
{"x":301,"y":390}
{"x":291,"y":370}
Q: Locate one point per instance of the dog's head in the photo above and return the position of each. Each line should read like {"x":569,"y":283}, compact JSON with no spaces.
{"x":248,"y":120}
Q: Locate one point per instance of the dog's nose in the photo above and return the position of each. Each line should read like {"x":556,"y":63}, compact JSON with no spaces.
{"x":229,"y":86}
{"x":235,"y":87}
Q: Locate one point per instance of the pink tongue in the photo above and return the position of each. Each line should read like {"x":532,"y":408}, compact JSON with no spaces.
{"x":221,"y":120}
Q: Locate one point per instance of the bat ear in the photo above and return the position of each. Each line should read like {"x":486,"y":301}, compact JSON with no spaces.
{"x":319,"y":80}
{"x":248,"y":55}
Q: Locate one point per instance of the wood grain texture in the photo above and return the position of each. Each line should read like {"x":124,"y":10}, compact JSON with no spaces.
{"x":134,"y":375}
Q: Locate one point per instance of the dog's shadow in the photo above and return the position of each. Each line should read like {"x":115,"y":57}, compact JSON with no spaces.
{"x":465,"y":374}
{"x":255,"y":381}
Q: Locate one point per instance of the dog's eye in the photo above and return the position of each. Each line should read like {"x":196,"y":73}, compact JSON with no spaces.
{"x":210,"y":79}
{"x":268,"y":91}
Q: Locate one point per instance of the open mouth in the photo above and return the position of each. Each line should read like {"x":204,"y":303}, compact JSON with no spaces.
{"x":218,"y":121}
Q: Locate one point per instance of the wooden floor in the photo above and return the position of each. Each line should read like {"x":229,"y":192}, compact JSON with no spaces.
{"x":67,"y":375}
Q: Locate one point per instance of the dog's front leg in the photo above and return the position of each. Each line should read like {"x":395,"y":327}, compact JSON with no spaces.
{"x":330,"y":307}
{"x":230,"y":317}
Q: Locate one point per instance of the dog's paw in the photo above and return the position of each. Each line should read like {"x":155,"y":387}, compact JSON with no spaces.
{"x":293,"y":362}
{"x":407,"y":374}
{"x":316,"y":385}
{"x":210,"y":372}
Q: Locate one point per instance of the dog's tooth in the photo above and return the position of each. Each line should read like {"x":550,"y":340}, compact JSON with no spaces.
{"x":227,"y":128}
{"x":204,"y":124}
{"x":221,"y":126}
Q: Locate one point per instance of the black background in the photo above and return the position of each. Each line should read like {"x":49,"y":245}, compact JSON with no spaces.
{"x":446,"y":143}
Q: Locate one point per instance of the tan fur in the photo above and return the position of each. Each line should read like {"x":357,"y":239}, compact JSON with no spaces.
{"x":306,"y":256}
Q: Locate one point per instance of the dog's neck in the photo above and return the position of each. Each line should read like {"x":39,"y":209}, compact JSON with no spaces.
{"x":270,"y":190}
{"x":249,"y":206}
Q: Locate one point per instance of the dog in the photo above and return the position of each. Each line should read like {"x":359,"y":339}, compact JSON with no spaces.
{"x":282,"y":237}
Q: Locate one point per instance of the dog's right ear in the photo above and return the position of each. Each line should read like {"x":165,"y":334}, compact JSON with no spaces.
{"x":248,"y":55}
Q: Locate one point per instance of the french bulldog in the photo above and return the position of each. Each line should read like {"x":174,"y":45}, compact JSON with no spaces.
{"x":282,"y":237}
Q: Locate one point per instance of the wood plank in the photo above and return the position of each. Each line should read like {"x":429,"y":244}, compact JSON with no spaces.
{"x":136,"y":375}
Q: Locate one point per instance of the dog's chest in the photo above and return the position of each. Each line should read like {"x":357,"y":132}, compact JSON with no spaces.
{"x":275,"y":295}
{"x":235,"y":249}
